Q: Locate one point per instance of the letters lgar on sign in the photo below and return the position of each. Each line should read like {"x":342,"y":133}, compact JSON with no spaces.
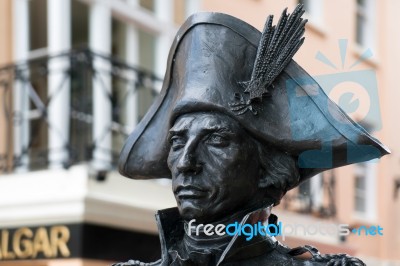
{"x":26,"y":243}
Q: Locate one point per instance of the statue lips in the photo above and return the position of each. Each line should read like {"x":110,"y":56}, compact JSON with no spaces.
{"x":190,"y":192}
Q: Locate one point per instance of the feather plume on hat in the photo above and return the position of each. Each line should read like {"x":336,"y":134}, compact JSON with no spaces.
{"x":277,"y":46}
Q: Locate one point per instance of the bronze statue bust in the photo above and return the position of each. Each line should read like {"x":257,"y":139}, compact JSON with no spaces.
{"x":237,"y":124}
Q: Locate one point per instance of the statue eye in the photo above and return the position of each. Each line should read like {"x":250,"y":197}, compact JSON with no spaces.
{"x":177,"y":142}
{"x":217,"y":140}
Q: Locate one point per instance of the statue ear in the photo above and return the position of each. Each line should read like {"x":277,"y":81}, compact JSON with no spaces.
{"x":264,"y":180}
{"x":272,"y":194}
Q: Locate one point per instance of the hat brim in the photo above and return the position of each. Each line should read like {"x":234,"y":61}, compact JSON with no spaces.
{"x":144,"y":155}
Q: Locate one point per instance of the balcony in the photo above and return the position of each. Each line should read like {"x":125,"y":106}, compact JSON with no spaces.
{"x":63,"y":121}
{"x":80,"y":106}
{"x":70,"y":108}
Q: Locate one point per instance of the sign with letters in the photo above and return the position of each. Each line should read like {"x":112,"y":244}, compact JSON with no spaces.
{"x":76,"y":240}
{"x":32,"y":243}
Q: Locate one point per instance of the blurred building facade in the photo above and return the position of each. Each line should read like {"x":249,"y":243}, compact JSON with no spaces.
{"x":76,"y":76}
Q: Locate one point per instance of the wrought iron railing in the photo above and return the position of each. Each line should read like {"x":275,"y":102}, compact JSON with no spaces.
{"x":35,"y":133}
{"x":27,"y":121}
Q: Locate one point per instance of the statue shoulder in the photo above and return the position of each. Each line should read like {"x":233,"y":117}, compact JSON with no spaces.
{"x":137,"y":263}
{"x":324,"y":259}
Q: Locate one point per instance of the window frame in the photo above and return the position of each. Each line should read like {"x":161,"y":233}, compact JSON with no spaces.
{"x":367,"y":28}
{"x":367,"y":171}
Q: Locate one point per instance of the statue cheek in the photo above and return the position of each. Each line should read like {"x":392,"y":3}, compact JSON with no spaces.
{"x":173,"y":157}
{"x":227,"y":155}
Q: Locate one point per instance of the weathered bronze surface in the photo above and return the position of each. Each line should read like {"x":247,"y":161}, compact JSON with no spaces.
{"x":237,"y":124}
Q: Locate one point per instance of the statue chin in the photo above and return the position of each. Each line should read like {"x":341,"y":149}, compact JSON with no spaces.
{"x":190,"y":214}
{"x":209,"y":214}
{"x":189,"y":211}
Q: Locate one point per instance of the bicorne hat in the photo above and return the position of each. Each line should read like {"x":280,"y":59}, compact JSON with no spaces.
{"x":218,"y":63}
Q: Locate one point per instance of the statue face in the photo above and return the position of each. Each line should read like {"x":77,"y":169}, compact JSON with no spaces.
{"x":214,"y":166}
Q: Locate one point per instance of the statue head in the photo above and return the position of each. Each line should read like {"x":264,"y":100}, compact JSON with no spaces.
{"x":218,"y":168}
{"x":228,"y":146}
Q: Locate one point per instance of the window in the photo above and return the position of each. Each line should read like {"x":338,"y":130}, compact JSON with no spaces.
{"x":37,"y":24}
{"x":364,"y":191}
{"x":105,"y":93}
{"x":311,"y":192}
{"x":142,"y":97}
{"x":365,"y":28}
{"x":79,"y":24}
{"x":147,"y":4}
{"x":360,"y":193}
{"x":313,"y":9}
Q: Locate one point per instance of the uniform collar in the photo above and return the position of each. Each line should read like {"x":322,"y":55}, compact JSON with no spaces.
{"x":171,"y":230}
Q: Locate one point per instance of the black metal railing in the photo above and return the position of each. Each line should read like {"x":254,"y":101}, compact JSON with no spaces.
{"x":29,"y":80}
{"x":25,"y":95}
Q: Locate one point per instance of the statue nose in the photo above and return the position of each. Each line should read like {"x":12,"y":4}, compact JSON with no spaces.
{"x":188,"y":163}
